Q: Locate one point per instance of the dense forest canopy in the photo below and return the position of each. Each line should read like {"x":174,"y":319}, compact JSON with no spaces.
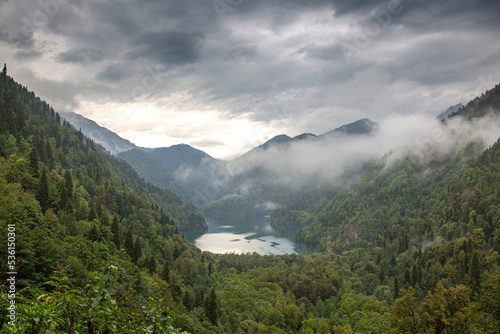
{"x":413,"y":248}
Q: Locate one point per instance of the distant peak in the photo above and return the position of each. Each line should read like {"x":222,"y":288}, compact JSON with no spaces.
{"x":451,"y":110}
{"x":363,"y":126}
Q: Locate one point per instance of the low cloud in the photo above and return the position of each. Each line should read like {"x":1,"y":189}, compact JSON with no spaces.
{"x":80,"y":55}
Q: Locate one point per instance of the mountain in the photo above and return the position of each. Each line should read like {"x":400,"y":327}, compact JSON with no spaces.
{"x":412,"y":246}
{"x":451,"y":110}
{"x":279,"y":139}
{"x":108,"y":139}
{"x":363,"y":126}
{"x":181,"y":155}
{"x":438,"y":183}
{"x":272,"y":174}
{"x":155,"y":172}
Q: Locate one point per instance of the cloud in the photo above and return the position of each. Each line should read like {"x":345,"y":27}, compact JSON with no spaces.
{"x":274,"y":63}
{"x":28,"y":54}
{"x":169,"y":47}
{"x":80,"y":55}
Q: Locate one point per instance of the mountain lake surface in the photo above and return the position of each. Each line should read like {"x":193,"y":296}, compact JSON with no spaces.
{"x":251,"y":235}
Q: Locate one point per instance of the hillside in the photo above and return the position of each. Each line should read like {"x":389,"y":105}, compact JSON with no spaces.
{"x":415,"y":188}
{"x":153,"y":171}
{"x":274,"y":173}
{"x":100,"y":135}
{"x":97,"y":252}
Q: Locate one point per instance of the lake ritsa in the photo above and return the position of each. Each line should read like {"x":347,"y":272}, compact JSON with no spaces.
{"x":252,"y":235}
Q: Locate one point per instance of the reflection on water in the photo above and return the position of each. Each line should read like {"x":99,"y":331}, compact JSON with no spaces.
{"x":252,"y":235}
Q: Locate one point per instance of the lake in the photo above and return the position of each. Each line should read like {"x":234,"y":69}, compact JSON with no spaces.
{"x":253,"y":235}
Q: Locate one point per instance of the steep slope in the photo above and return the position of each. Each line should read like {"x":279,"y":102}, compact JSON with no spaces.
{"x":79,"y":215}
{"x":409,"y":192}
{"x":108,"y":139}
{"x":95,"y":255}
{"x":451,"y":110}
{"x":153,"y":171}
{"x":302,"y":210}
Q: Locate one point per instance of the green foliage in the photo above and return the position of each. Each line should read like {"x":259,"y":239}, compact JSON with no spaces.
{"x":412,"y":248}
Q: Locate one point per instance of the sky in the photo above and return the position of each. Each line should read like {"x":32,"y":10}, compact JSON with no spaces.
{"x":224,"y":76}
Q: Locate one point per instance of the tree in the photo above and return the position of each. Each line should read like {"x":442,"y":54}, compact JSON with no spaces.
{"x":129,"y":243}
{"x":406,"y":313}
{"x":475,"y":271}
{"x":396,"y":287}
{"x":137,"y":253}
{"x":165,"y":273}
{"x":94,"y":235}
{"x":450,"y":311}
{"x":187,"y":300}
{"x":4,"y":72}
{"x":42,"y":192}
{"x":211,"y":309}
{"x":115,"y":229}
{"x":67,"y":191}
{"x":151,"y":264}
{"x":34,"y":162}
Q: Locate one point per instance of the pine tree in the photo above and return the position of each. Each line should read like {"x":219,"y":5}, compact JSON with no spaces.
{"x":42,"y":193}
{"x":115,"y":229}
{"x":475,"y":271}
{"x":396,"y":287}
{"x":137,"y":253}
{"x":211,"y":309}
{"x":129,"y":243}
{"x":34,"y":162}
{"x":67,"y":191}
{"x":4,"y":72}
{"x":94,"y":235}
{"x":186,"y":300}
{"x":151,"y":264}
{"x":199,"y":300}
{"x":165,"y":274}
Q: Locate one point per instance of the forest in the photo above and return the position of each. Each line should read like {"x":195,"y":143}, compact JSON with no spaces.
{"x":410,"y":247}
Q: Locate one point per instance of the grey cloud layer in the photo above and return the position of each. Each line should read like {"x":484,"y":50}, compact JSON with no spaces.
{"x":254,"y":57}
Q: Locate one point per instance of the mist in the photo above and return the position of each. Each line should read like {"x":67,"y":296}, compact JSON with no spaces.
{"x":268,"y":178}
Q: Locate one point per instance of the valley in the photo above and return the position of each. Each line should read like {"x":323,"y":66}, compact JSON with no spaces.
{"x":399,"y":238}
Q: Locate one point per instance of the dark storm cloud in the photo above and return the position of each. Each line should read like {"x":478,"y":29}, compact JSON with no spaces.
{"x":80,"y":55}
{"x":169,"y":47}
{"x":271,"y":62}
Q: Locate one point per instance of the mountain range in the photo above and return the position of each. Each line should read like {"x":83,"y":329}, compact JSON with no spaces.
{"x":258,"y":182}
{"x":409,"y":245}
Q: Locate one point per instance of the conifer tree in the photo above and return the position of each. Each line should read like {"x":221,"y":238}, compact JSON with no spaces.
{"x":186,"y":300}
{"x":129,"y":243}
{"x":42,"y":193}
{"x":199,"y":300}
{"x":94,"y":234}
{"x":115,"y":229}
{"x":67,"y":191}
{"x":475,"y":271}
{"x":137,"y":253}
{"x":211,"y":309}
{"x":151,"y":264}
{"x":165,"y":274}
{"x":396,"y":287}
{"x":4,"y":72}
{"x":34,"y":162}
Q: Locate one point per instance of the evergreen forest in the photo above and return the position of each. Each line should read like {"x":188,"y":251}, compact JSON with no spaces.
{"x":411,"y":246}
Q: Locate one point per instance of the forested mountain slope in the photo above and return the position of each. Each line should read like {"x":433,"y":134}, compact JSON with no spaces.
{"x":96,"y":252}
{"x":426,"y":191}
